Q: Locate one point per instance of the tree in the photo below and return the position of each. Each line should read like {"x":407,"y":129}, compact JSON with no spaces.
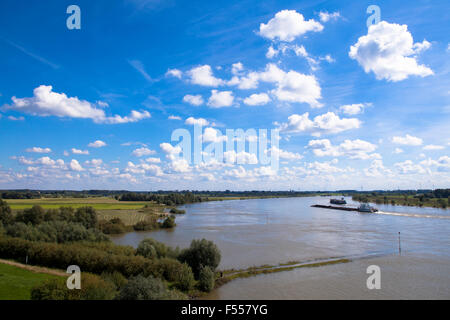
{"x":169,"y":222}
{"x":6,"y":216}
{"x":86,"y":216}
{"x":35,"y":215}
{"x":152,"y":249}
{"x":201,"y":253}
{"x":142,"y":288}
{"x":206,"y":279}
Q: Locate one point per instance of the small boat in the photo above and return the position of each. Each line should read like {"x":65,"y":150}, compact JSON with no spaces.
{"x":337,"y":201}
{"x":365,"y":207}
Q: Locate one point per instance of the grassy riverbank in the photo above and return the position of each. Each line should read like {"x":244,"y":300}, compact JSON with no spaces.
{"x":403,"y":200}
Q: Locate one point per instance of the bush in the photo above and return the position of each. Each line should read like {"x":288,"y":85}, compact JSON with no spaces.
{"x":113,"y":226}
{"x":116,"y":278}
{"x":142,"y":288}
{"x":168,"y":222}
{"x":146,"y":225}
{"x":86,"y":216}
{"x":92,"y":288}
{"x":206,"y":279}
{"x":177,"y":211}
{"x":184,"y":278}
{"x":201,"y":253}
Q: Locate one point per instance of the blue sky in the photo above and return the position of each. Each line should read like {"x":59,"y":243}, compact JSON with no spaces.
{"x":355,"y":106}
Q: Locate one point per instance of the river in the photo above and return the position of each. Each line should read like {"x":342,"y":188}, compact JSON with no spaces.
{"x":272,"y":231}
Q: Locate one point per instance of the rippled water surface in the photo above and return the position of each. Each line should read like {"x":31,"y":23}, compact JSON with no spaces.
{"x":272,"y":231}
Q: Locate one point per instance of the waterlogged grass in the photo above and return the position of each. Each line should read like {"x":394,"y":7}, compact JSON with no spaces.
{"x":16,"y":283}
{"x":232,"y":274}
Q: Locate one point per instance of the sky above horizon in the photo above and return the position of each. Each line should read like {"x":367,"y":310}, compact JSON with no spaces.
{"x":356,"y":107}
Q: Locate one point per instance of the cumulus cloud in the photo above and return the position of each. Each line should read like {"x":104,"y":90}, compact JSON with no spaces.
{"x":203,"y":76}
{"x":45,"y":103}
{"x":352,"y":109}
{"x":139,"y":152}
{"x":97,"y":144}
{"x":284,"y":154}
{"x":407,"y":140}
{"x":257,"y":99}
{"x":39,"y":150}
{"x":377,"y":169}
{"x":174,"y":73}
{"x":220,"y":99}
{"x":287,"y":25}
{"x":408,"y":167}
{"x":174,"y":117}
{"x":326,"y":16}
{"x":354,"y":149}
{"x":212,"y":135}
{"x":328,"y":123}
{"x":195,"y":100}
{"x":389,"y":52}
{"x":433,"y":147}
{"x":78,"y":151}
{"x":193,"y":121}
{"x":236,"y":68}
{"x":442,"y":163}
{"x":75,"y":165}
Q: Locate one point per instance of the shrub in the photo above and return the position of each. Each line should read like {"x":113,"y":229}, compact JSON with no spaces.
{"x":113,"y":226}
{"x":206,"y":279}
{"x":146,"y":225}
{"x":92,"y":288}
{"x":184,"y":278}
{"x":116,"y":278}
{"x":168,"y":222}
{"x":201,"y":253}
{"x":177,"y":211}
{"x":142,"y":288}
{"x":86,"y":216}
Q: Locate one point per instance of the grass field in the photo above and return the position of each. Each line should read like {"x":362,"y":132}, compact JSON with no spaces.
{"x":16,"y":283}
{"x":99,"y":203}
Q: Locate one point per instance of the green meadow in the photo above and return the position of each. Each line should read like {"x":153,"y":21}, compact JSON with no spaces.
{"x":16,"y":283}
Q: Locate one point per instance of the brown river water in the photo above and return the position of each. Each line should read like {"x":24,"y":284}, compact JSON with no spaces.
{"x":272,"y":231}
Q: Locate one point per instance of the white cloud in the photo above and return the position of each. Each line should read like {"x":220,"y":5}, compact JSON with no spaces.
{"x":442,"y":164}
{"x":170,"y":151}
{"x":39,"y":150}
{"x":325,"y":16}
{"x":203,"y":76}
{"x":241,"y":157}
{"x":212,"y":135}
{"x":180,"y":165}
{"x":271,"y":52}
{"x":388,"y":51}
{"x":433,"y":147}
{"x":377,"y":169}
{"x":408,"y":167}
{"x":293,"y":86}
{"x":219,"y":99}
{"x":45,"y":103}
{"x":287,"y":25}
{"x":153,"y":160}
{"x":328,"y":123}
{"x":407,"y":140}
{"x":193,"y":121}
{"x":236,"y":68}
{"x":75,"y":165}
{"x":354,"y":149}
{"x":97,"y":144}
{"x":283,"y":154}
{"x":352,"y":109}
{"x":12,"y":118}
{"x":174,"y":117}
{"x":398,"y":150}
{"x":257,"y":99}
{"x":142,"y":152}
{"x":78,"y":151}
{"x":195,"y":100}
{"x":174,"y":73}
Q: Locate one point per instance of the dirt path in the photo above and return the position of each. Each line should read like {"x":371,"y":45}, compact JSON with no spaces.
{"x":36,"y":269}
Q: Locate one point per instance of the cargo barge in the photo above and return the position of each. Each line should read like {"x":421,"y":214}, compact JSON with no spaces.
{"x":362,"y":208}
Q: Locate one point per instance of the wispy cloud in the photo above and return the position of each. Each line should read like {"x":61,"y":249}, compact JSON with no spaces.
{"x":31,"y":54}
{"x":139,"y":66}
